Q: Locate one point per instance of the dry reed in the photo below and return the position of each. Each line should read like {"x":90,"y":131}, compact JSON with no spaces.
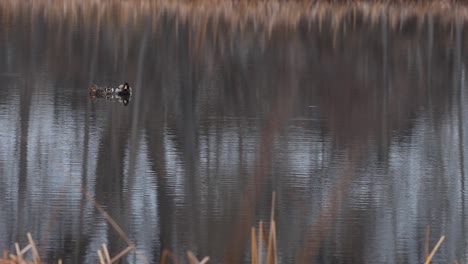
{"x":106,"y":258}
{"x":426,"y":247}
{"x":193,"y":260}
{"x":428,"y":256}
{"x":20,"y":256}
{"x":258,"y":238}
{"x":431,"y":255}
{"x":103,"y":253}
{"x":264,"y":14}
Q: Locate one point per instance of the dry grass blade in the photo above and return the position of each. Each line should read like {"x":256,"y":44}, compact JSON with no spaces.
{"x":204,"y":260}
{"x":271,"y":252}
{"x":253,"y":244}
{"x":25,"y":249}
{"x":121,"y":254}
{"x":275,"y":247}
{"x":115,"y":226}
{"x":270,"y":245}
{"x":106,"y":253}
{"x":429,"y":258}
{"x":101,"y":258}
{"x":272,"y":213}
{"x":34,"y":249}
{"x":258,"y":239}
{"x":428,"y":233}
{"x":261,"y":238}
{"x":18,"y":252}
{"x":192,"y":258}
{"x":109,"y":219}
{"x":14,"y":258}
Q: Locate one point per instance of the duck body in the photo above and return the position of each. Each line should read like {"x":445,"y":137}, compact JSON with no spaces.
{"x":123,"y":90}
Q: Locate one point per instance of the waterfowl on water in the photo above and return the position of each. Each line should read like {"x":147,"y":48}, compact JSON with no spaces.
{"x":121,"y":94}
{"x":123,"y":89}
{"x":101,"y":91}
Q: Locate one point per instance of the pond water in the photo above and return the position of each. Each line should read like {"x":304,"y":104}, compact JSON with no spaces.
{"x":357,"y":126}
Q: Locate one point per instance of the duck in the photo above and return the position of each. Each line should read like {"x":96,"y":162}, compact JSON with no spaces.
{"x":123,"y":90}
{"x":122,"y":93}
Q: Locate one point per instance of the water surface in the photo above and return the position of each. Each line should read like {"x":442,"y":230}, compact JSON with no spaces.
{"x":357,"y":126}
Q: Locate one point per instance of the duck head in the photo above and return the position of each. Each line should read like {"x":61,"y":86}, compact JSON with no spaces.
{"x":126,"y":87}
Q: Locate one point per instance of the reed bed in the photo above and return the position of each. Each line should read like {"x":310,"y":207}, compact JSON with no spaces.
{"x":21,"y":255}
{"x":262,"y":14}
{"x":263,"y":246}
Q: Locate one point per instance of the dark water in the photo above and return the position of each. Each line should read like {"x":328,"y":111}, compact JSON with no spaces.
{"x":359,"y":130}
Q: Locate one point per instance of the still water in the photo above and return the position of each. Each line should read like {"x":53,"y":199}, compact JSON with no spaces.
{"x":357,"y":126}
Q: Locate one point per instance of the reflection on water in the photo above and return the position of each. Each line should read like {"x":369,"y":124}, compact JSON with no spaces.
{"x":359,"y":128}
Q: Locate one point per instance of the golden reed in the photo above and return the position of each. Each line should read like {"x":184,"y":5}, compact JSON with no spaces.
{"x":265,"y":14}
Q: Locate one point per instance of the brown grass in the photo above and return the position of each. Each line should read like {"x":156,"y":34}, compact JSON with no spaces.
{"x":261,"y":244}
{"x":103,"y":253}
{"x":262,"y":14}
{"x":258,"y":239}
{"x":431,"y":255}
{"x":20,"y":256}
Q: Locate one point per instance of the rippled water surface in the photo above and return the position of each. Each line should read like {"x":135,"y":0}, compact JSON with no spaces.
{"x":358,"y":127}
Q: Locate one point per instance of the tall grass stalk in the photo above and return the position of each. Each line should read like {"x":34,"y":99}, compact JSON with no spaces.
{"x":258,"y":238}
{"x":429,"y":258}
